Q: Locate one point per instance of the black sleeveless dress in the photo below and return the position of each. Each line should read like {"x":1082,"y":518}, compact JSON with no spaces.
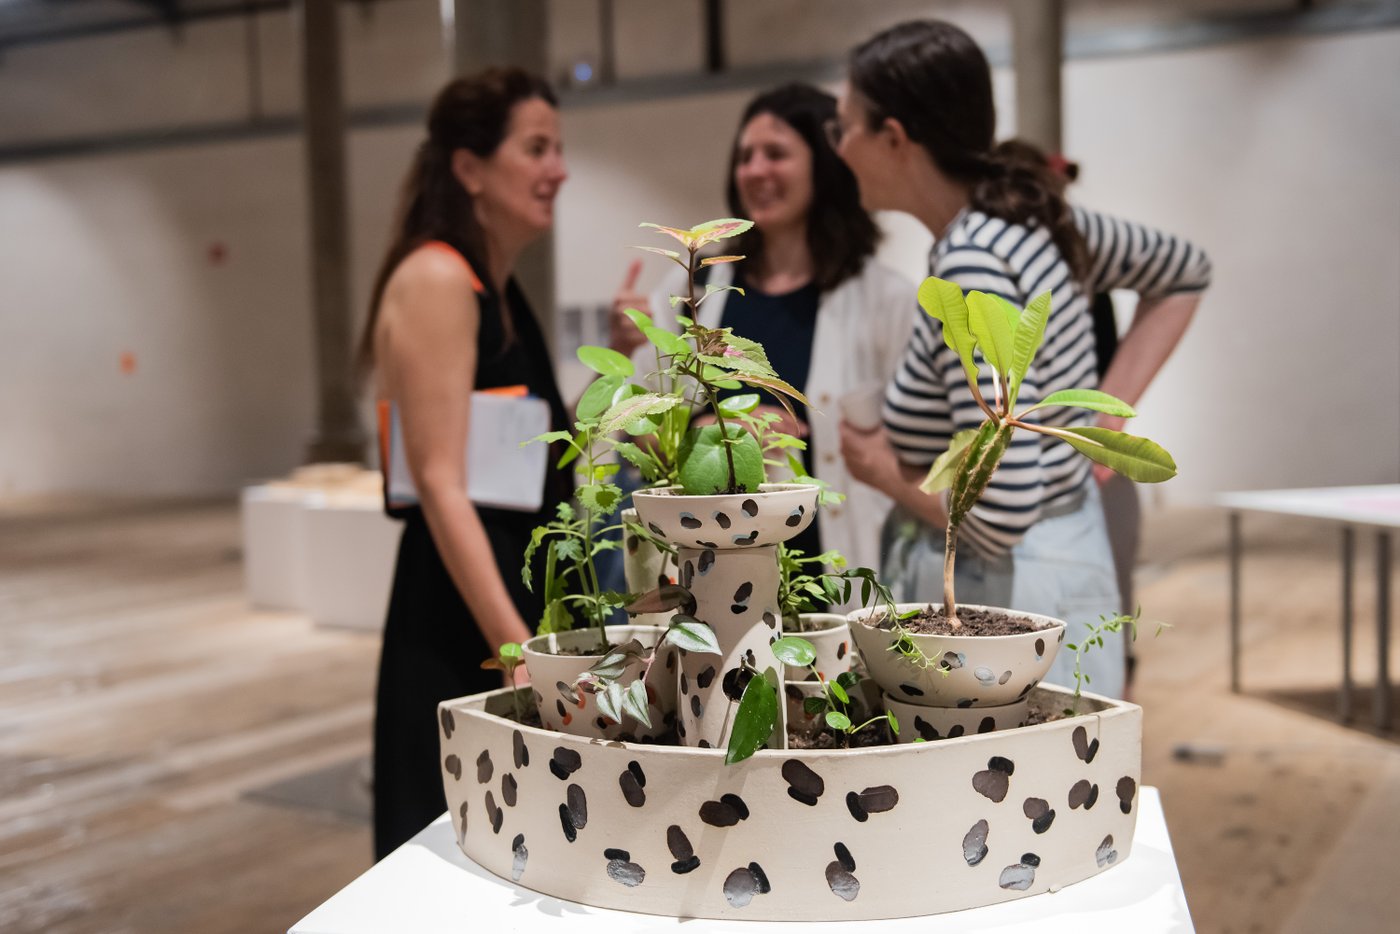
{"x":432,"y":647}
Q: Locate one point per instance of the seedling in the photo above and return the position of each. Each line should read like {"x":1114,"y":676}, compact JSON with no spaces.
{"x":1008,"y":340}
{"x":1094,"y":640}
{"x":509,"y":659}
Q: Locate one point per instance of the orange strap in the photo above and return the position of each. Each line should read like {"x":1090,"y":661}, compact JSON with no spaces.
{"x":449,"y":248}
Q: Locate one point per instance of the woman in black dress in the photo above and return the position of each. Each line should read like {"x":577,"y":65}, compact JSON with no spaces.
{"x":447,"y":318}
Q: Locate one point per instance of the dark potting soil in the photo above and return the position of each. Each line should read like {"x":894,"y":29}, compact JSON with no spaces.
{"x":877,"y":734}
{"x":932,"y":621}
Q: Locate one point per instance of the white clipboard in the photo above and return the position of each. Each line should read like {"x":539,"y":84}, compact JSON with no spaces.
{"x":500,"y":473}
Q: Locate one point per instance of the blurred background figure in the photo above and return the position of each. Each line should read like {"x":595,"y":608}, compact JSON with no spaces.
{"x":917,"y":127}
{"x":447,"y":319}
{"x":833,"y":321}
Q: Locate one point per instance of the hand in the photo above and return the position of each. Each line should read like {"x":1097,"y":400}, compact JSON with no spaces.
{"x":623,"y":334}
{"x":870,"y":457}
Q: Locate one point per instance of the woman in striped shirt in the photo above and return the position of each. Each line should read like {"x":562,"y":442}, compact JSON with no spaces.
{"x":916,"y":125}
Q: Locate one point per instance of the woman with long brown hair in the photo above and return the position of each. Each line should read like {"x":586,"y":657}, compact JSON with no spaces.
{"x":917,"y":127}
{"x":447,"y":319}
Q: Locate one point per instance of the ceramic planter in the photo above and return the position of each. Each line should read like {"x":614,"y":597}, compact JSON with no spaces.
{"x":967,"y":671}
{"x":795,"y":835}
{"x":930,"y":723}
{"x":830,"y":635}
{"x":645,"y":567}
{"x":727,"y":558}
{"x":576,"y":712}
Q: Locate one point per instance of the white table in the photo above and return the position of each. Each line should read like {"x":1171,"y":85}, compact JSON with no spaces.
{"x":428,"y":885}
{"x":1368,"y":507}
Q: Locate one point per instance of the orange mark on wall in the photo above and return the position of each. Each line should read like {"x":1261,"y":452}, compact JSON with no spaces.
{"x":127,"y":363}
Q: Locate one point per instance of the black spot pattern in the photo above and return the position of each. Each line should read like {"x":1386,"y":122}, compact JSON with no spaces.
{"x":622,"y":869}
{"x":453,"y":765}
{"x":656,"y":531}
{"x":741,"y":885}
{"x":987,"y":725}
{"x":687,"y":573}
{"x":685,"y":683}
{"x":633,"y":543}
{"x":1126,"y":789}
{"x":874,"y":800}
{"x":567,"y":822}
{"x":1040,"y":813}
{"x":792,"y":521}
{"x":993,"y":781}
{"x":750,"y":508}
{"x":975,"y":843}
{"x":949,"y":661}
{"x":748,"y":539}
{"x":770,"y":620}
{"x":566,"y":762}
{"x":462,"y":813}
{"x":696,"y":708}
{"x":633,"y":782}
{"x":1005,"y":677}
{"x":688,"y":521}
{"x":707,"y":561}
{"x":804,"y":785}
{"x":925,"y":729}
{"x":484,"y":768}
{"x":705,"y":678}
{"x":726,"y":812}
{"x":520,"y":750}
{"x":508,"y":789}
{"x":1083,"y":748}
{"x":741,"y":598}
{"x":494,"y":814}
{"x":559,"y":706}
{"x":844,"y":885}
{"x":578,"y":806}
{"x":722,"y":520}
{"x":911,"y":690}
{"x":1106,"y":854}
{"x":679,"y":844}
{"x":966,"y":702}
{"x":841,"y":650}
{"x":449,"y":723}
{"x":1083,"y":794}
{"x":1039,"y":648}
{"x":517,"y":847}
{"x":1017,"y":877}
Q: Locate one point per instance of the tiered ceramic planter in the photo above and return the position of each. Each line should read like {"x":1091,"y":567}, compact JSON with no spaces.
{"x":886,"y":832}
{"x":830,"y":636}
{"x":973,"y":684}
{"x":564,"y":709}
{"x":727,"y":555}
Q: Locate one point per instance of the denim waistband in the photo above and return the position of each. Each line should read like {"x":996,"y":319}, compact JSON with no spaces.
{"x":1067,"y":506}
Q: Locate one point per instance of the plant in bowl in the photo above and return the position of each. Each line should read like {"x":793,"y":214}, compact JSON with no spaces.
{"x":997,"y":669}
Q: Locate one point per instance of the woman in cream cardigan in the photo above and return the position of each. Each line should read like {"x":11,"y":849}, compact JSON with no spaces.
{"x":833,"y":321}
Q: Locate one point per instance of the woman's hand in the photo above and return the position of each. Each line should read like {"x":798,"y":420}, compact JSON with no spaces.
{"x":870,"y":458}
{"x":623,"y":334}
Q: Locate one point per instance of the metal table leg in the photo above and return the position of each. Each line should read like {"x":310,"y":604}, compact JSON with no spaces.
{"x":1382,"y":701}
{"x":1344,"y":705}
{"x":1235,"y":602}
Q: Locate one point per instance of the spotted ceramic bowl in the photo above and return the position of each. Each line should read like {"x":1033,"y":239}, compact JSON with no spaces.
{"x":565,"y":710}
{"x":794,"y":835}
{"x":738,"y":520}
{"x":830,"y":636}
{"x":963,"y":671}
{"x":931,"y":723}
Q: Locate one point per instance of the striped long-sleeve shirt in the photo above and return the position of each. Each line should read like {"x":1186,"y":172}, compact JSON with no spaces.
{"x":929,"y":400}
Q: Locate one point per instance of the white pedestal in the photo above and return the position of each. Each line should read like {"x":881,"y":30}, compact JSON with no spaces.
{"x":350,"y":548}
{"x":428,"y":885}
{"x":273,"y":545}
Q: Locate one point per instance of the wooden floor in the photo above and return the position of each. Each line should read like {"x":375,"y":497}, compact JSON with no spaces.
{"x":152,"y":727}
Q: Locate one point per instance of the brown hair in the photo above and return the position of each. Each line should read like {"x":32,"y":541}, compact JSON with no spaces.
{"x":471,"y":113}
{"x":840,"y":234}
{"x":932,"y":77}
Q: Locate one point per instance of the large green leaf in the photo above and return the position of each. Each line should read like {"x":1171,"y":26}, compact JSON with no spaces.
{"x":987,"y":319}
{"x":1089,"y":399}
{"x":687,"y":632}
{"x":704,"y":464}
{"x":630,"y":409}
{"x":668,"y":342}
{"x":945,"y":468}
{"x":944,"y":300}
{"x":598,"y":397}
{"x":1029,"y":333}
{"x":1138,"y":459}
{"x":734,"y":406}
{"x":605,"y":361}
{"x":754,"y":721}
{"x":600,"y":499}
{"x":719,"y":229}
{"x":640,"y":319}
{"x":794,"y":651}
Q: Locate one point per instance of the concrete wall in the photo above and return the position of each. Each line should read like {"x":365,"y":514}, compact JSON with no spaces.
{"x":1278,"y":156}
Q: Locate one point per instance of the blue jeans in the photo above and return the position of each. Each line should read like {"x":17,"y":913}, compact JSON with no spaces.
{"x":1062,"y":567}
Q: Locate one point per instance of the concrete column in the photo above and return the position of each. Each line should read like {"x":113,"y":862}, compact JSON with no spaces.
{"x":1037,"y":42}
{"x":510,"y":32}
{"x":339,"y":435}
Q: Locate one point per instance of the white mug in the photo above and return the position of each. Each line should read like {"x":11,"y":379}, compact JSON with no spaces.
{"x":861,"y":407}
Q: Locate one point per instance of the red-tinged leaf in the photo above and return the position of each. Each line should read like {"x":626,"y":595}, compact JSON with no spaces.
{"x":716,"y":260}
{"x":684,"y":236}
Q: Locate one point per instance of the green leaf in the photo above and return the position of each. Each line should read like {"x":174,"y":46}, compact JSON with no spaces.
{"x":945,"y":468}
{"x":687,"y":632}
{"x":600,"y":499}
{"x":668,"y":342}
{"x":894,"y":723}
{"x":838,"y":692}
{"x":754,"y":720}
{"x":812,"y":706}
{"x":943,"y":300}
{"x":704,"y":464}
{"x":1029,"y":334}
{"x":778,"y":387}
{"x":634,"y":702}
{"x":640,"y":319}
{"x":1136,"y":458}
{"x":598,"y":396}
{"x":720,"y":229}
{"x":734,"y":406}
{"x":511,"y":650}
{"x":616,"y":661}
{"x":848,"y":679}
{"x":605,"y":360}
{"x":987,"y":319}
{"x":714,"y":260}
{"x":549,"y":437}
{"x":610,"y":701}
{"x":635,"y":407}
{"x":837,"y":720}
{"x":656,"y":249}
{"x":571,"y":453}
{"x":795,"y":651}
{"x":1089,"y":399}
{"x":684,"y":236}
{"x":663,"y":599}
{"x":643,"y":461}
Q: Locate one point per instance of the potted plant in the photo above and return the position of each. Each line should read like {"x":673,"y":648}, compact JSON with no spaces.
{"x":946,"y":657}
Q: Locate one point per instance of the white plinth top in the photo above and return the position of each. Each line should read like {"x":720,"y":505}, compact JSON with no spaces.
{"x":429,"y":886}
{"x":1358,"y":505}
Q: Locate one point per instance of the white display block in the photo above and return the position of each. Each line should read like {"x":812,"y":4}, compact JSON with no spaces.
{"x":349,"y":549}
{"x":428,"y":885}
{"x":274,"y":548}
